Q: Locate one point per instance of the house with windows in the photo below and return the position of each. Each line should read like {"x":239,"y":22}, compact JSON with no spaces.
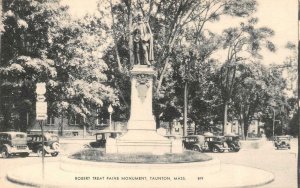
{"x":75,"y":125}
{"x":255,"y":129}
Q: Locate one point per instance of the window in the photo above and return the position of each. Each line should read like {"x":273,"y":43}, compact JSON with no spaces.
{"x":74,"y":120}
{"x":50,"y":120}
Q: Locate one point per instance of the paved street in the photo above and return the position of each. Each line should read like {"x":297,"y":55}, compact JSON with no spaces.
{"x":15,"y":162}
{"x":282,"y":163}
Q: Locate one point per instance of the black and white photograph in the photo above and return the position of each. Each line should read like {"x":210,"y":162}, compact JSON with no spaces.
{"x":149,"y":93}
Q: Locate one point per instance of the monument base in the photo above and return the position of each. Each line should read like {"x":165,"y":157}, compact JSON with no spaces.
{"x":143,"y":141}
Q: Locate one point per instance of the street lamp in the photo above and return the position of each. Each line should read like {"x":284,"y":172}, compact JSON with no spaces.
{"x":110,"y":110}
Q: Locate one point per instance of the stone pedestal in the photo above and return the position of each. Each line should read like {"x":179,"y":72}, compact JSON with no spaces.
{"x":141,"y":136}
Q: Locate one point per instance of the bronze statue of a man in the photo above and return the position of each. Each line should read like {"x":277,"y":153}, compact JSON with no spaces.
{"x":142,"y":42}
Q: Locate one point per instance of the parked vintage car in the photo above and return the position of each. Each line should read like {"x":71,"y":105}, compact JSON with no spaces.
{"x":101,"y":138}
{"x":282,"y":142}
{"x":51,"y":144}
{"x":233,"y":142}
{"x":215,"y":144}
{"x":204,"y":143}
{"x":13,"y":143}
{"x":194,"y":142}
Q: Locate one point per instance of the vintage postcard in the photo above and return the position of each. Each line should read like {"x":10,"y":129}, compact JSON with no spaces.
{"x":149,"y":93}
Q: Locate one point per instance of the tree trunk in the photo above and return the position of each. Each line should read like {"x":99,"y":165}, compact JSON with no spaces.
{"x":120,"y":68}
{"x":243,"y":129}
{"x":185,"y":109}
{"x":130,"y":42}
{"x":225,"y":116}
{"x":161,"y":77}
{"x":62,"y":126}
{"x":246,"y":125}
{"x":241,"y":121}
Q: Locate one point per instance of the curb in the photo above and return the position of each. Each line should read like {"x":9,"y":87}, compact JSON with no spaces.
{"x":225,"y":178}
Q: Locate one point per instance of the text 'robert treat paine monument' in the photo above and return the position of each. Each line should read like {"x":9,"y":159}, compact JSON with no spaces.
{"x":142,"y":136}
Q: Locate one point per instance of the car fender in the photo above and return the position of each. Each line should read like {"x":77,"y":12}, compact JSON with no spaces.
{"x":8,"y":147}
{"x":55,"y":146}
{"x":218,"y":146}
{"x":234,"y":145}
{"x":199,"y":146}
{"x":37,"y":147}
{"x":48,"y":150}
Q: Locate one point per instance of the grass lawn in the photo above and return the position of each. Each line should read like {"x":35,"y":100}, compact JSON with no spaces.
{"x":100,"y":156}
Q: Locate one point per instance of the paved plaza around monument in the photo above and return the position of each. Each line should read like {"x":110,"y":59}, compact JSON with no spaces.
{"x":280,"y":163}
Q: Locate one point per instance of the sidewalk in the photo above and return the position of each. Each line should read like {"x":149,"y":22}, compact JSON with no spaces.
{"x":229,"y":176}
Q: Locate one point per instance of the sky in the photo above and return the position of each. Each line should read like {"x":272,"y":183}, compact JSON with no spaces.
{"x":279,"y":15}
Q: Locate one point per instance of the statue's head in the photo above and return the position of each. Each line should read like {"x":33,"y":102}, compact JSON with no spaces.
{"x":139,"y":16}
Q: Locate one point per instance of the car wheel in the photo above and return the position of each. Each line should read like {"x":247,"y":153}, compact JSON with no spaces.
{"x":221,"y":150}
{"x":196,"y":148}
{"x":54,"y":154}
{"x":289,"y":147}
{"x":40,"y":152}
{"x":215,"y":149}
{"x":4,"y":153}
{"x":231,"y":149}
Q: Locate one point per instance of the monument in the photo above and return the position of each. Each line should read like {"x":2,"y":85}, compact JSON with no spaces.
{"x":142,"y":136}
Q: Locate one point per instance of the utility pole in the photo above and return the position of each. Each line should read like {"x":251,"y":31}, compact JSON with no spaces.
{"x":41,"y":115}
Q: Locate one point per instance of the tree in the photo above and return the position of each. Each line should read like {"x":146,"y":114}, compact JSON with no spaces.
{"x":24,"y":61}
{"x":250,"y":93}
{"x":185,"y":16}
{"x":79,"y":53}
{"x":242,"y":44}
{"x":67,"y":54}
{"x":172,"y":23}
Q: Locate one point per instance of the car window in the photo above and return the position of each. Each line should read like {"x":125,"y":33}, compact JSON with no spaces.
{"x":19,"y":136}
{"x":99,"y":136}
{"x":3,"y":137}
{"x":38,"y":138}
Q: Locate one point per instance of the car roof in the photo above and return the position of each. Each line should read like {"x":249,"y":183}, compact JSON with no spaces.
{"x":231,"y":135}
{"x":192,"y":136}
{"x":45,"y":134}
{"x":104,"y":132}
{"x":213,"y":136}
{"x":282,"y":136}
{"x":236,"y":136}
{"x":12,"y":133}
